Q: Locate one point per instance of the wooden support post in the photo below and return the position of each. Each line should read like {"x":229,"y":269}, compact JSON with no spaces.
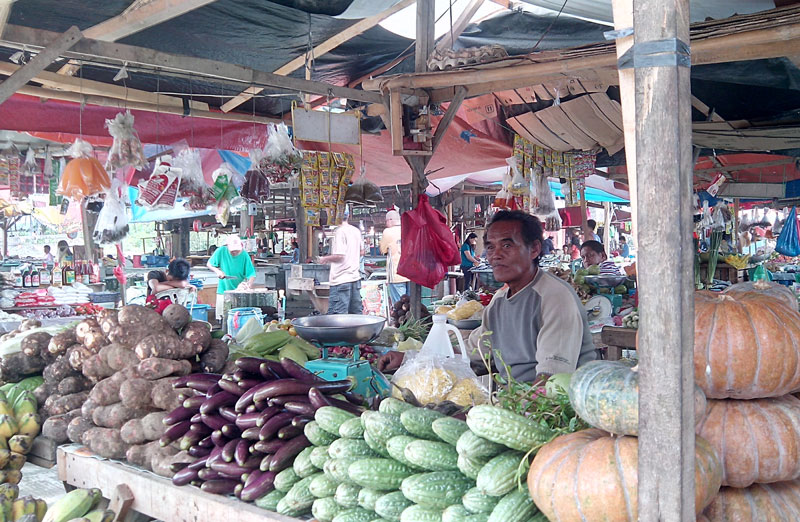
{"x":735,"y":234}
{"x":663,"y":166}
{"x":583,"y":214}
{"x":607,"y":226}
{"x":5,"y":239}
{"x":447,"y":119}
{"x":425,"y":34}
{"x":39,"y":62}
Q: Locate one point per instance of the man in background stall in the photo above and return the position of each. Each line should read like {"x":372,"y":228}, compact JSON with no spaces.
{"x":390,"y":246}
{"x":347,"y":248}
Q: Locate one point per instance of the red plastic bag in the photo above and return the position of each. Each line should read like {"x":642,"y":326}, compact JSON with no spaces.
{"x":428,"y":245}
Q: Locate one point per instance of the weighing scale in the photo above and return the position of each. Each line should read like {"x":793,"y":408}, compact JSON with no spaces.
{"x":602,"y":306}
{"x":344,"y":330}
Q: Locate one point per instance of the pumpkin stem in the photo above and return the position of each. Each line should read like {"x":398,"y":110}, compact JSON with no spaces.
{"x":761,"y":284}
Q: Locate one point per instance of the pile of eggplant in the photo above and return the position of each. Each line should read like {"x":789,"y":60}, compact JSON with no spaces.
{"x":246,"y":426}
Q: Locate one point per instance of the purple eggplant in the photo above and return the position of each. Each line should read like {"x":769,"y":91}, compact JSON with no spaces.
{"x":218,"y":438}
{"x":228,"y":413}
{"x":194,"y":403}
{"x":273,"y":370}
{"x":184,"y":476}
{"x":242,"y":451}
{"x":271,"y":427}
{"x":289,"y":432}
{"x":251,"y":433}
{"x":199,"y":463}
{"x":247,"y":420}
{"x":240,"y":374}
{"x":301,"y":420}
{"x":255,"y":407}
{"x":216,"y":454}
{"x":177,"y":466}
{"x":301,"y":408}
{"x":319,"y":399}
{"x":231,"y":431}
{"x":237,"y":492}
{"x":295,"y":387}
{"x":229,"y":449}
{"x":231,"y":469}
{"x":215,"y":402}
{"x":202,"y":429}
{"x":283,"y":458}
{"x":209,"y":474}
{"x":201,"y":382}
{"x":268,"y":446}
{"x":175,"y":432}
{"x":199,"y":451}
{"x":190,"y":439}
{"x":246,"y":384}
{"x":250,"y":364}
{"x":231,"y":386}
{"x":280,"y":400}
{"x":264,"y":416}
{"x":197,"y":418}
{"x":257,"y":485}
{"x":215,"y":389}
{"x":297,"y":371}
{"x":215,"y":422}
{"x":206,"y":443}
{"x":355,"y":398}
{"x":248,"y":397}
{"x":219,"y":487}
{"x":179,"y":414}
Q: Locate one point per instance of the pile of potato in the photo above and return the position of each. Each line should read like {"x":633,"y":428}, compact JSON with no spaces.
{"x":109,"y":384}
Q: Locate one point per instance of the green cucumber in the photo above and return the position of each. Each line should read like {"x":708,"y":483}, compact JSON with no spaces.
{"x":336,"y":469}
{"x":325,"y":509}
{"x":474,"y":446}
{"x":418,"y":513}
{"x":319,"y":456}
{"x":437,"y":489}
{"x":449,"y":429}
{"x":507,"y":428}
{"x":355,"y":514}
{"x":418,"y":422}
{"x":285,"y":479}
{"x":347,"y":495}
{"x":455,"y":513}
{"x":431,"y":455}
{"x":316,"y":435}
{"x":391,"y":505}
{"x":380,"y":474}
{"x":470,"y":466}
{"x":393,"y":406}
{"x":367,"y":498}
{"x":477,"y":502}
{"x":302,"y":465}
{"x":351,"y":429}
{"x":322,"y":486}
{"x":331,"y":419}
{"x":270,"y":500}
{"x":344,"y":448}
{"x":516,"y":506}
{"x":501,"y":474}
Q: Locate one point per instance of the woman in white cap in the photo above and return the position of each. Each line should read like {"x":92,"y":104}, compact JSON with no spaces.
{"x":233,"y":267}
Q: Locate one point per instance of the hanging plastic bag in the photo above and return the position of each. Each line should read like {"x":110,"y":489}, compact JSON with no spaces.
{"x":256,"y":186}
{"x":188,"y":161}
{"x":84,"y":175}
{"x":788,"y":242}
{"x":545,"y":200}
{"x":428,"y":245}
{"x":224,"y":187}
{"x":223,"y":212}
{"x":501,"y":199}
{"x":48,"y":164}
{"x":112,"y":222}
{"x":518,"y":185}
{"x":718,"y":216}
{"x":161,"y":189}
{"x":363,"y":192}
{"x":30,"y":167}
{"x":126,"y":149}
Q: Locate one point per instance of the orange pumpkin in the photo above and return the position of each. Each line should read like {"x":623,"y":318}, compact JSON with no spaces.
{"x":83,"y":177}
{"x":756,"y":441}
{"x":758,"y":503}
{"x":590,"y":476}
{"x":746,"y":346}
{"x":775,"y":290}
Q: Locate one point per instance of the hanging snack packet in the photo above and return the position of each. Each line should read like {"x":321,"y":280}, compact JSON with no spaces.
{"x":160,"y":190}
{"x":126,"y":149}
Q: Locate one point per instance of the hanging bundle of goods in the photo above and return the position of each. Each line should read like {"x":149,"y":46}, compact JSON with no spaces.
{"x":363,"y":191}
{"x":84,"y":175}
{"x":126,"y":149}
{"x":280,"y":159}
{"x":112,"y":222}
{"x":160,"y":190}
{"x":324,"y":181}
{"x":193,"y":184}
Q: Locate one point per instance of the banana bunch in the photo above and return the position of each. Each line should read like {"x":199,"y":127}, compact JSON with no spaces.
{"x":19,"y":425}
{"x":78,"y":504}
{"x":737,"y":262}
{"x":25,"y":509}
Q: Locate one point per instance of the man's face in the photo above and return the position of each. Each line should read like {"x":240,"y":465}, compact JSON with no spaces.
{"x":590,"y":257}
{"x":511,"y":259}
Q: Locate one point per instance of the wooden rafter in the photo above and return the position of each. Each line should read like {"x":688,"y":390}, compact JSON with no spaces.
{"x":460,"y":24}
{"x":139,"y":16}
{"x":321,"y":49}
{"x":447,"y":119}
{"x":168,"y":63}
{"x":38,"y":63}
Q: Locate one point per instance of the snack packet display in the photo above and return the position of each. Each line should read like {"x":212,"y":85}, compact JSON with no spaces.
{"x":161,"y":189}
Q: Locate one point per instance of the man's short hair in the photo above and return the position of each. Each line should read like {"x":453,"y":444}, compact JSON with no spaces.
{"x":179,"y":269}
{"x":591,"y":223}
{"x":593,"y":245}
{"x":530,"y":226}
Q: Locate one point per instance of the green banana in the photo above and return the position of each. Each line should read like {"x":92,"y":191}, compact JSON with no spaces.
{"x":100,"y":515}
{"x":23,"y":506}
{"x":15,"y":461}
{"x":41,"y":509}
{"x":74,"y":504}
{"x":29,"y":424}
{"x":26,"y":403}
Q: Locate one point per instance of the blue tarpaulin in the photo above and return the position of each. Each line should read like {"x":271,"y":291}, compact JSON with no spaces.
{"x":592,"y":194}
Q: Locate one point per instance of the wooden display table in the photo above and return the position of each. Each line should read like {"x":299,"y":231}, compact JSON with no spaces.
{"x":617,"y":339}
{"x":152,"y":495}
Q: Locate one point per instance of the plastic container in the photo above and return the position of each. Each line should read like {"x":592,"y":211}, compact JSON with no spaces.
{"x":438,"y":340}
{"x":200,"y":312}
{"x":238,"y":317}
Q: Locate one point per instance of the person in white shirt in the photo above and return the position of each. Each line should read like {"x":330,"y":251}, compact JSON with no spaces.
{"x":48,"y":257}
{"x":345,"y":275}
{"x":390,"y":245}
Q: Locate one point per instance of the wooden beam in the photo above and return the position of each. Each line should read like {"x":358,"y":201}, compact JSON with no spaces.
{"x":447,"y":119}
{"x":764,"y":43}
{"x":72,"y":84}
{"x":663,"y":157}
{"x":38,"y":63}
{"x":426,"y":18}
{"x":5,"y":12}
{"x":323,"y":48}
{"x":746,"y":166}
{"x":138,"y":17}
{"x":705,"y":110}
{"x":104,"y":101}
{"x":168,"y":63}
{"x":753,"y":190}
{"x":460,"y":24}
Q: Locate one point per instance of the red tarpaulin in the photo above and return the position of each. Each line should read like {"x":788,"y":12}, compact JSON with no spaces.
{"x":465,"y":148}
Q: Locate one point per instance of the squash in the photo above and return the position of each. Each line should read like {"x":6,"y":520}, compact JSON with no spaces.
{"x":606,"y":395}
{"x":82,"y":177}
{"x":746,"y":346}
{"x":776,"y":290}
{"x":591,"y":471}
{"x":758,"y":503}
{"x":756,"y":440}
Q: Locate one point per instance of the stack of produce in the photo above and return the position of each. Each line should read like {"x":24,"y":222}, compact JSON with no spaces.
{"x":747,"y":361}
{"x":19,"y":424}
{"x":109,"y":385}
{"x":277,"y":343}
{"x":247,"y":426}
{"x":25,"y":509}
{"x":79,"y":504}
{"x":605,"y":394}
{"x":405,"y":463}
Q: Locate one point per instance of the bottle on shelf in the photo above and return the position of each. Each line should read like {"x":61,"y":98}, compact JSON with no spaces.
{"x":69,"y":275}
{"x":18,"y":277}
{"x":86,"y":270}
{"x":45,"y":277}
{"x":58,"y":276}
{"x":26,"y":277}
{"x":95,"y":274}
{"x":35,"y":280}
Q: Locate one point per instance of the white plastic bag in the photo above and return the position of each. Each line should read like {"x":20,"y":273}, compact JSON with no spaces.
{"x":189,"y":162}
{"x":112,"y":222}
{"x":279,"y":148}
{"x":435,"y":379}
{"x":126,"y":149}
{"x":517,"y":186}
{"x":30,"y":167}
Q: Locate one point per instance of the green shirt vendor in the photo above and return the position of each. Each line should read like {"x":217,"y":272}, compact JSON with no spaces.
{"x":234,"y":268}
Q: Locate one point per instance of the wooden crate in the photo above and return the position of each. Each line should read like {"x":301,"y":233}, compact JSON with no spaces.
{"x":617,"y":339}
{"x":155,"y":496}
{"x":43,"y":452}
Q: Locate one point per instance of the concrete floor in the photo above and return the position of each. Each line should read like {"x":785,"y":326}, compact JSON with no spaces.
{"x":41,"y":483}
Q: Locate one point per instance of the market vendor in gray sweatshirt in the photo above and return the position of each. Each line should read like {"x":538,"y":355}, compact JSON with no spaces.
{"x":537,"y":323}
